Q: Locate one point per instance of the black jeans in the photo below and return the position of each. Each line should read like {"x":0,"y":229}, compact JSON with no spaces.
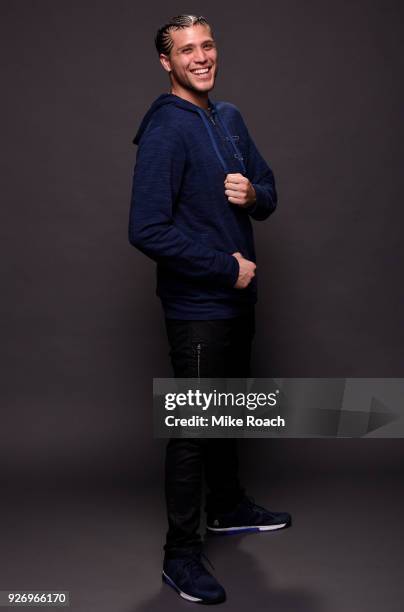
{"x":211,"y":349}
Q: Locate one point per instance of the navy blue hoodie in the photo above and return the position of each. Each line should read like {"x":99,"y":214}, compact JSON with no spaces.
{"x":180,"y":215}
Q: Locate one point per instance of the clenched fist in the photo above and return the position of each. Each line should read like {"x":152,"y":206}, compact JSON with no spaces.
{"x":239,"y":190}
{"x":246,"y":273}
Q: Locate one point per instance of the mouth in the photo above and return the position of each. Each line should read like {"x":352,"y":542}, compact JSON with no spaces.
{"x":202,"y":72}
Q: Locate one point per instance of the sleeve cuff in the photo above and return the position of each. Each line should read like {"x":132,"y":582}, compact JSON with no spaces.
{"x":263,"y":205}
{"x":234,"y":270}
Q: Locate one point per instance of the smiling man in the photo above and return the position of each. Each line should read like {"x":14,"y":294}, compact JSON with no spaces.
{"x":198,"y":181}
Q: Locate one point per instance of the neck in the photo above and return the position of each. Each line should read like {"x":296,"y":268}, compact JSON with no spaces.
{"x":199,"y":99}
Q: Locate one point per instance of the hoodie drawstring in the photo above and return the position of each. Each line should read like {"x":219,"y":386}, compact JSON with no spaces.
{"x":237,"y":154}
{"x":214,"y":143}
{"x":212,"y":138}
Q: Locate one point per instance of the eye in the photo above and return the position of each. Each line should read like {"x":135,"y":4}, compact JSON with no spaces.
{"x":188,"y":50}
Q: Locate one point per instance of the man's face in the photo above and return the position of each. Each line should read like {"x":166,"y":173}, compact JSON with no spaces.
{"x":193,"y":59}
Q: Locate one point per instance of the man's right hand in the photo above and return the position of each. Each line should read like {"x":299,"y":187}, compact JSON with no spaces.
{"x":246,"y":273}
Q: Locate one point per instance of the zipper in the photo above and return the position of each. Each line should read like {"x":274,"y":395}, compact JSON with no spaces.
{"x":210,"y":116}
{"x":198,"y":353}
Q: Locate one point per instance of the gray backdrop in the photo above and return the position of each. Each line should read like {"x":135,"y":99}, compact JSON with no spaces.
{"x":320,"y":87}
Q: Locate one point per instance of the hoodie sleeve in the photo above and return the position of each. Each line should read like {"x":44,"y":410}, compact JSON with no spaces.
{"x":263,"y":181}
{"x":159,"y":169}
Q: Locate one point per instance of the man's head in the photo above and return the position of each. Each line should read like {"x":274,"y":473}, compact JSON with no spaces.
{"x":187,"y":51}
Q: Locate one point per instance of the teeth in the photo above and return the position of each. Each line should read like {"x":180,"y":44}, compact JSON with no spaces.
{"x":200,"y":71}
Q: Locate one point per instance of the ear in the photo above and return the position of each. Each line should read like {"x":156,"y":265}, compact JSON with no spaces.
{"x":165,"y":62}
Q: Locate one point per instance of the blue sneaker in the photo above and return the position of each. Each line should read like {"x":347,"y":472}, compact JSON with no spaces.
{"x":247,"y":517}
{"x":192,"y":581}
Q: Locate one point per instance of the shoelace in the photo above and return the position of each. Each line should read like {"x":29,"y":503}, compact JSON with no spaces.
{"x":195,"y":562}
{"x":250,"y":501}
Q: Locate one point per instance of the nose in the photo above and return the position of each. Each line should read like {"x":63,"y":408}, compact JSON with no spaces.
{"x":199,"y":55}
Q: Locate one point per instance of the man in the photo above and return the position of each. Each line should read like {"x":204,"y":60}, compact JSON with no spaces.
{"x":198,"y":182}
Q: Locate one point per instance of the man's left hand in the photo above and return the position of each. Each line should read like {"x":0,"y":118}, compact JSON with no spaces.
{"x":239,"y":190}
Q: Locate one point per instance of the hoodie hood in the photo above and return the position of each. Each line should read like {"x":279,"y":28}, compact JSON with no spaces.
{"x":162,"y":101}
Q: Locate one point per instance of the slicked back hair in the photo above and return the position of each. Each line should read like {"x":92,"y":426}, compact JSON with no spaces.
{"x":164,"y":42}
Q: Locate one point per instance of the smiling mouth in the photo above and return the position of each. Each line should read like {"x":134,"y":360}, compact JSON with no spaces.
{"x":201,"y":71}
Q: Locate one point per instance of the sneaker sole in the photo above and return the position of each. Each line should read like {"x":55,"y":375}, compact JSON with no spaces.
{"x":252,"y":529}
{"x":184,"y":595}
